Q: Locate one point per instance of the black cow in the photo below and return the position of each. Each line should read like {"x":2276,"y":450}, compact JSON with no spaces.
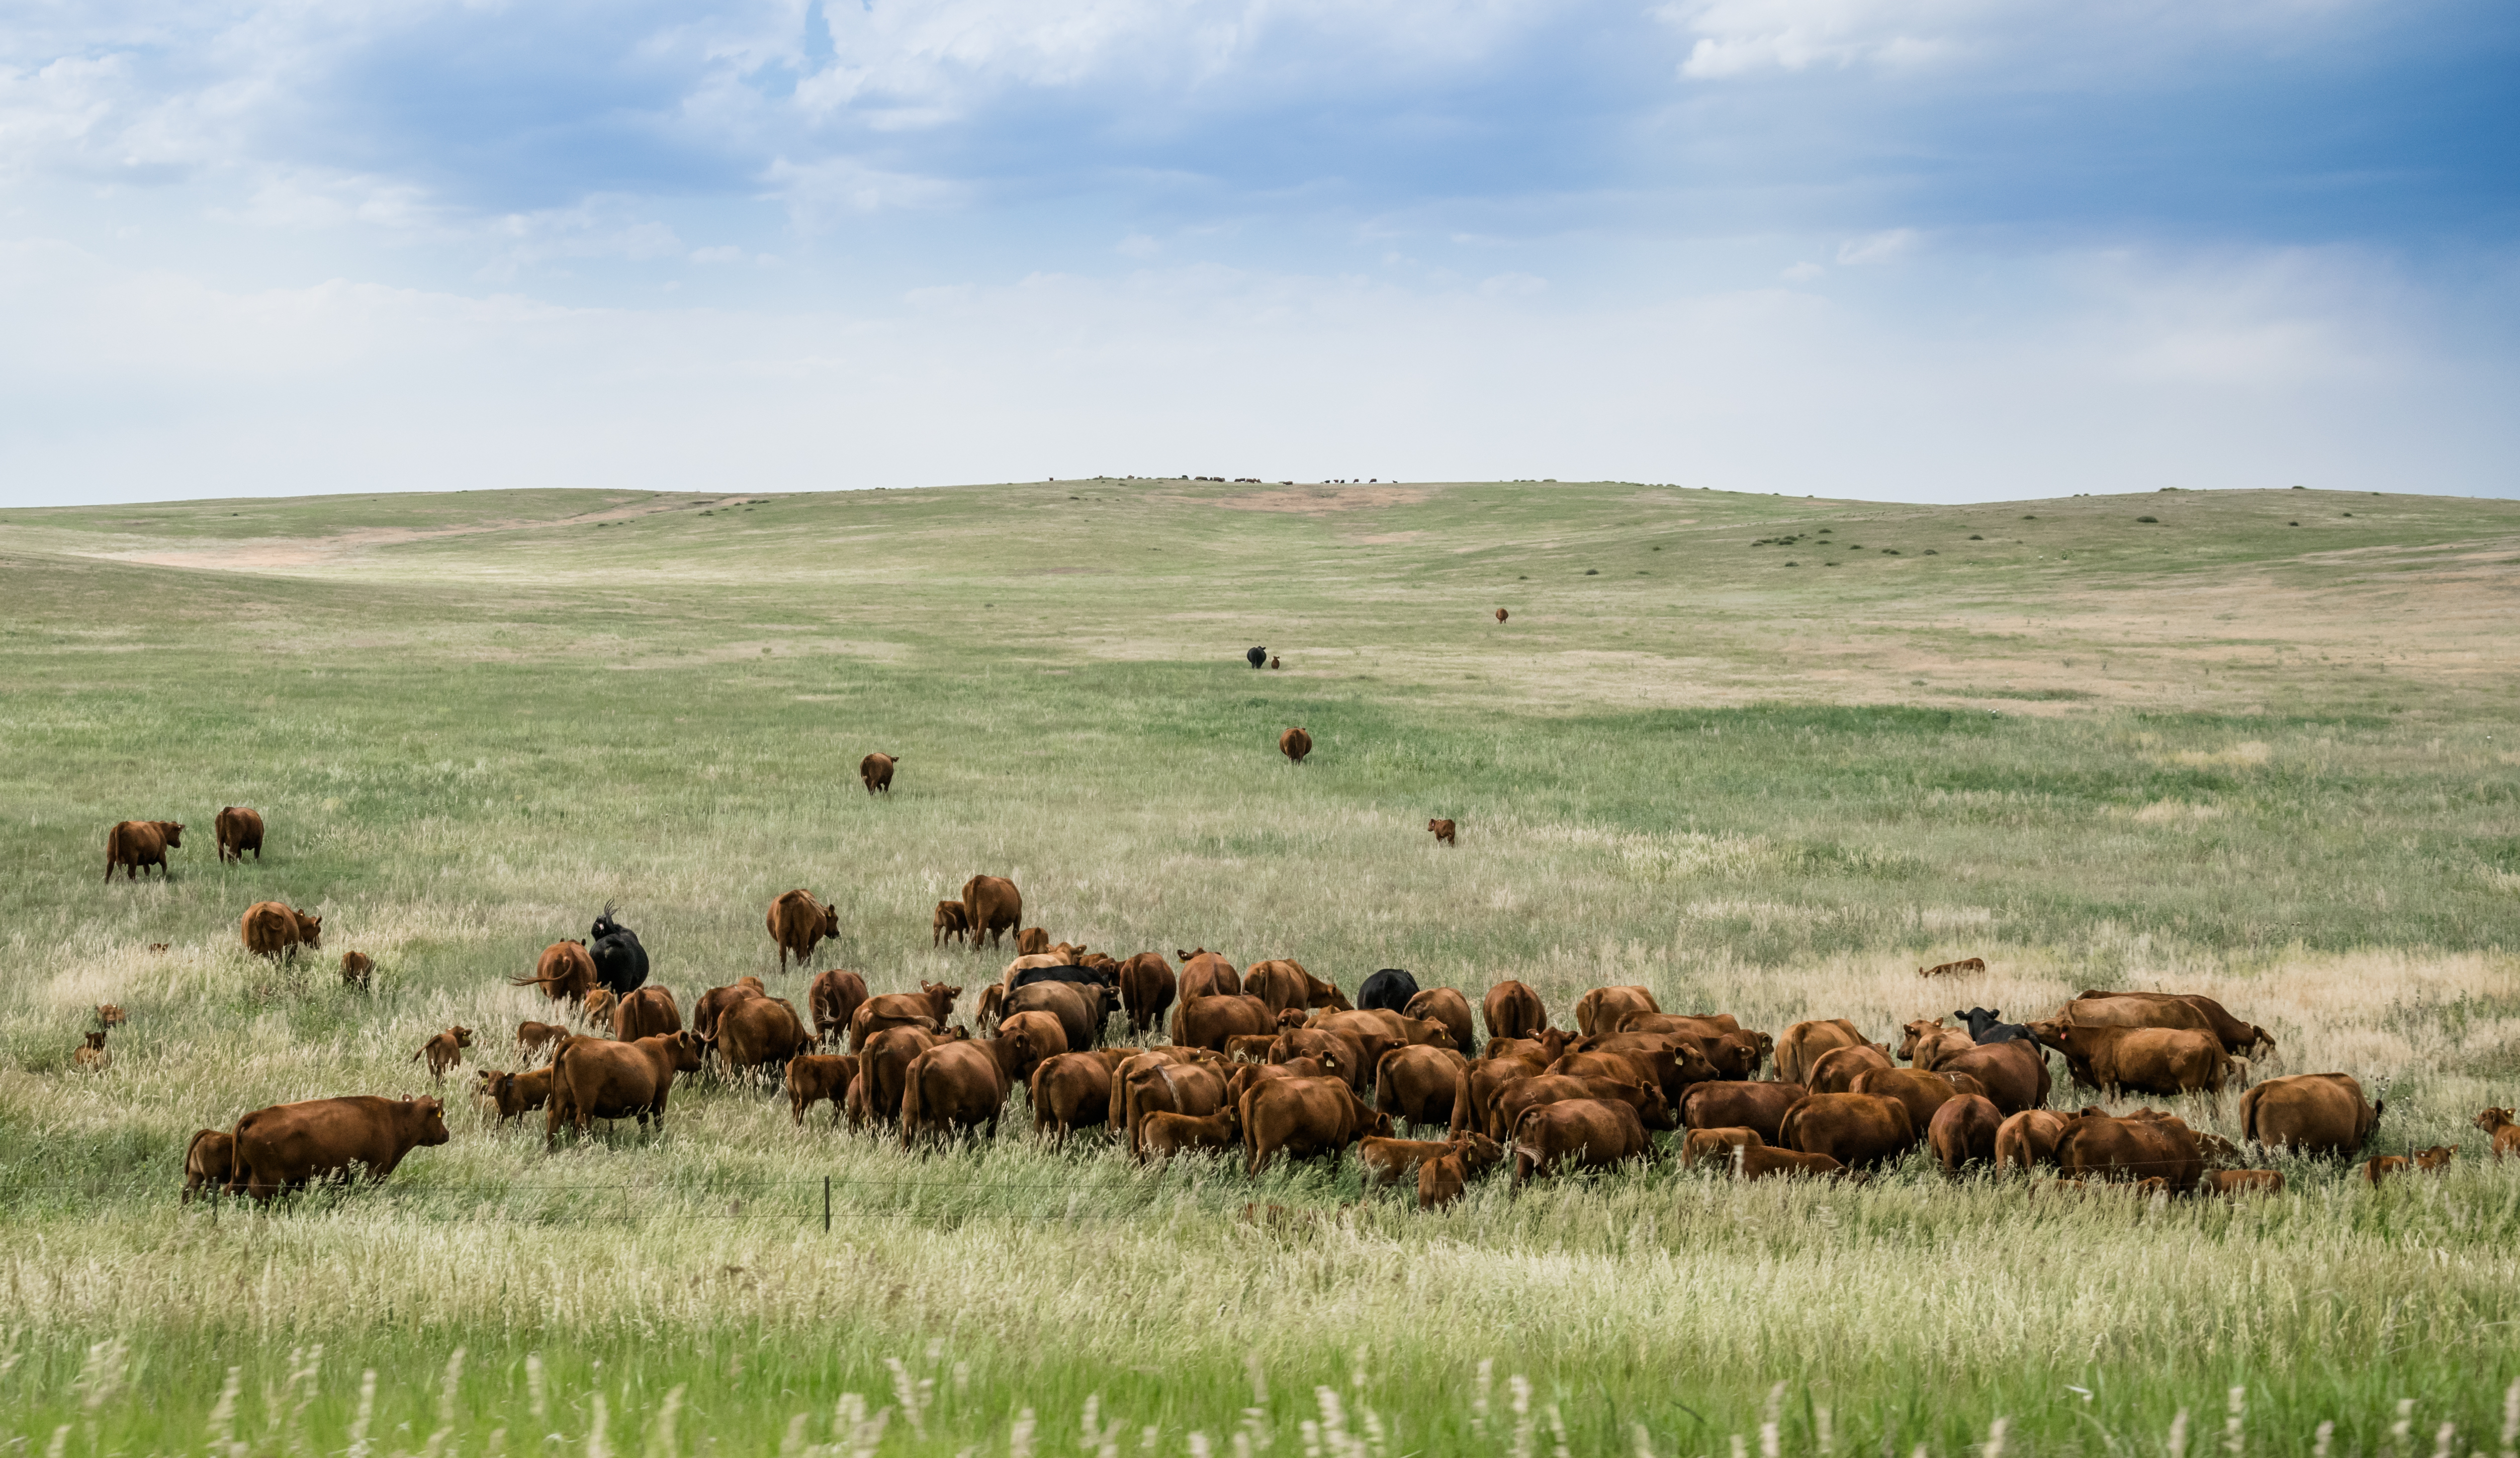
{"x":1257,"y":656}
{"x":1987,"y":1025}
{"x":1389,"y":989}
{"x":620,"y":962}
{"x":1100,"y":977}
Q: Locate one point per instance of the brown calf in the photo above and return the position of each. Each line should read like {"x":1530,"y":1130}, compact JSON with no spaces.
{"x":1444,"y":832}
{"x":445,"y":1051}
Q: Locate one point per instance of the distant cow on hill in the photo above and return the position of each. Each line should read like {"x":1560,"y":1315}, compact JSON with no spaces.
{"x":1295,"y":743}
{"x":134,"y":844}
{"x":238,"y":830}
{"x":877,"y":771}
{"x":272,"y":930}
{"x":798,"y":923}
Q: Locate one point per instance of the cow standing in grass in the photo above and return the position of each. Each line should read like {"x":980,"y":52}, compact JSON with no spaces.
{"x":134,"y":844}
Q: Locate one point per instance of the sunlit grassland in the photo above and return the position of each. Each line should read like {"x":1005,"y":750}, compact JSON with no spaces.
{"x":2217,"y":750}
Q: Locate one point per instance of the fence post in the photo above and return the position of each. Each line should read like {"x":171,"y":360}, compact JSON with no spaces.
{"x":827,"y":1205}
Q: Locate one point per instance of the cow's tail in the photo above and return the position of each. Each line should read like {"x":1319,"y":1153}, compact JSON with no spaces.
{"x":2249,"y":1114}
{"x":911,"y":1105}
{"x":1789,"y":1127}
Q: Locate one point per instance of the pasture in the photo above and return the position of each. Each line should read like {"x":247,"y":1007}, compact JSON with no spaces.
{"x":1763,"y":755}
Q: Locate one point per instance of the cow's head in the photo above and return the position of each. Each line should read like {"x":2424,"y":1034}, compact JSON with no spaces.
{"x":173,"y":830}
{"x":2493,"y":1118}
{"x":1918,"y":1032}
{"x":463,"y":1036}
{"x":685,"y":1047}
{"x":310,"y":929}
{"x":2050,"y":1033}
{"x":1291,"y":1017}
{"x":831,"y":923}
{"x":1440,"y":1036}
{"x":940,"y":995}
{"x":432,"y":1121}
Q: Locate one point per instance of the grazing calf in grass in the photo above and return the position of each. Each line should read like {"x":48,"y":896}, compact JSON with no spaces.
{"x":1444,"y":832}
{"x":1703,"y":1144}
{"x":358,"y":970}
{"x":134,"y":844}
{"x":875,"y":770}
{"x":2498,"y":1125}
{"x":2244,"y":1181}
{"x":534,"y":1037}
{"x":1295,"y":743}
{"x":207,"y":1161}
{"x":1761,"y":1162}
{"x":238,"y":830}
{"x":272,"y":930}
{"x":597,"y":1008}
{"x":815,"y":1077}
{"x":1161,"y":1135}
{"x":1387,"y":1161}
{"x":91,"y":1056}
{"x":950,"y":923}
{"x":445,"y":1051}
{"x":514,"y":1095}
{"x":1965,"y":967}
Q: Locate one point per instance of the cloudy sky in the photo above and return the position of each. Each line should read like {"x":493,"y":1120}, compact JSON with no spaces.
{"x":1926,"y":249}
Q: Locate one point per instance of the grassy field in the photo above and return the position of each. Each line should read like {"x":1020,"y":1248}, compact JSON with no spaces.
{"x":1763,"y":754}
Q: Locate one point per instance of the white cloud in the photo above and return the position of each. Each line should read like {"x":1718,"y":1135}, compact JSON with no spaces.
{"x":1877,"y":247}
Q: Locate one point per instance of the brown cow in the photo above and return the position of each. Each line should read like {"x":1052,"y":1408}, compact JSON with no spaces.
{"x":1158,"y":1082}
{"x":2147,"y":1060}
{"x":2436,"y":1157}
{"x":645,"y":1013}
{"x":1387,"y":1161}
{"x":1446,"y":1005}
{"x":91,"y":1056}
{"x":1162,"y":1134}
{"x":1083,"y":1008}
{"x":1145,"y":991}
{"x":1442,"y":1179}
{"x":209,"y":1160}
{"x":287,"y":1146}
{"x":2029,"y":1138}
{"x":1031,"y":941}
{"x":1852,"y":1129}
{"x":1416,"y":1085}
{"x":757,"y":1033}
{"x":1966,"y":967}
{"x":1305,"y":1116}
{"x":1445,"y":832}
{"x":1963,"y":1130}
{"x":1283,"y":984}
{"x":1611,"y":1005}
{"x":1672,"y":1065}
{"x":815,"y":1077}
{"x":1922,"y":1093}
{"x":930,"y":1005}
{"x":1836,"y":1070}
{"x":1702,"y":1144}
{"x":2315,"y":1113}
{"x":1516,"y":1098}
{"x":1596,"y":1133}
{"x":1028,"y":1039}
{"x":1071,"y":1091}
{"x":1240,"y":1081}
{"x":134,"y":844}
{"x":1803,"y":1042}
{"x":2013,"y":1074}
{"x":1205,"y":973}
{"x":798,"y":924}
{"x":1295,"y":745}
{"x":272,"y":930}
{"x":596,"y":1011}
{"x":445,"y":1051}
{"x":992,"y":907}
{"x":2098,"y":1146}
{"x":238,"y":830}
{"x":1761,"y":1162}
{"x":566,"y":972}
{"x":1926,"y":1042}
{"x":1251,"y":1048}
{"x":512,"y":1095}
{"x":2149,"y":1010}
{"x":1514,"y":1010}
{"x":952,"y":922}
{"x":1729,"y":1105}
{"x":875,"y":771}
{"x":597,"y":1079}
{"x":1207,"y":1021}
{"x":833,"y":1000}
{"x":2244,"y":1181}
{"x":2498,"y":1127}
{"x":715,"y":1002}
{"x":358,"y":970}
{"x":883,"y":1061}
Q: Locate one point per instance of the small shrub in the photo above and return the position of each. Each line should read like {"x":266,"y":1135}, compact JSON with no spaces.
{"x":1592,"y":571}
{"x":1974,"y":537}
{"x":2148,"y":518}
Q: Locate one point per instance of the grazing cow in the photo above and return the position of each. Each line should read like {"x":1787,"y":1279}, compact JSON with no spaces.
{"x":1593,"y":1134}
{"x":566,"y":972}
{"x":930,"y":1005}
{"x":1162,"y":1134}
{"x":513,"y":1095}
{"x":1926,"y":1042}
{"x":1417,"y":1085}
{"x":1295,"y":745}
{"x":1443,"y":1179}
{"x":358,"y":970}
{"x":1474,"y":1093}
{"x":238,"y":830}
{"x":992,"y":907}
{"x":1963,"y":1130}
{"x":1390,"y":989}
{"x":596,"y":1078}
{"x":289,"y":1145}
{"x":815,"y":1077}
{"x":1728,"y":1054}
{"x":620,"y":962}
{"x":1673,"y":1065}
{"x":2147,"y":1060}
{"x":1245,"y":1075}
{"x":1804,"y":1044}
{"x":1387,"y":1161}
{"x":875,"y":770}
{"x":110,"y":1015}
{"x":1836,"y":1070}
{"x":1987,"y":1025}
{"x":1445,"y":833}
{"x":1207,"y":1021}
{"x":758,"y":1032}
{"x":1852,"y":1129}
{"x":1699,"y":1145}
{"x":1028,"y":1039}
{"x":1305,"y":1116}
{"x":1147,"y":989}
{"x":1031,"y":941}
{"x":1501,"y":614}
{"x":1256,"y":657}
{"x":834,"y":999}
{"x":1158,"y":1082}
{"x":2098,"y":1146}
{"x":646,"y":1013}
{"x":209,"y":1160}
{"x":272,"y":930}
{"x":1338,"y":1051}
{"x":715,"y":1002}
{"x":2313,"y":1113}
{"x":798,"y":924}
{"x":1275,"y":663}
{"x":2029,"y":1138}
{"x":1448,"y":1008}
{"x":2151,"y":1010}
{"x":2012,"y":1072}
{"x":1514,"y":1010}
{"x":90,"y":1056}
{"x":2243,"y":1182}
{"x":445,"y":1051}
{"x":883,"y":1062}
{"x":134,"y":844}
{"x":597,"y":1010}
{"x":1205,"y":973}
{"x":1922,"y":1093}
{"x":1105,"y":974}
{"x":1071,"y":1091}
{"x":1253,"y":1047}
{"x":1611,"y":1005}
{"x":1283,"y":984}
{"x":1968,"y":967}
{"x":1764,"y":1162}
{"x":2499,"y":1128}
{"x":1082,"y":1009}
{"x":1754,"y":1106}
{"x":1507,"y":1109}
{"x":952,"y":922}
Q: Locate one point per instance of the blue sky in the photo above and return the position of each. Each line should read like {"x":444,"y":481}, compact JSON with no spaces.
{"x":1927,"y":249}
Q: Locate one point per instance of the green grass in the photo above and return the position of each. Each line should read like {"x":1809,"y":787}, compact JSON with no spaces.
{"x":2217,"y":751}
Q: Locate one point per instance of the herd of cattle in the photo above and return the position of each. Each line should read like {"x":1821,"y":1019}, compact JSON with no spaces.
{"x":1272,"y":1060}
